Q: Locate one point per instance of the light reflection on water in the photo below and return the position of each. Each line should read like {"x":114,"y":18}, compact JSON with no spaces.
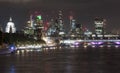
{"x":12,"y":69}
{"x":64,"y":60}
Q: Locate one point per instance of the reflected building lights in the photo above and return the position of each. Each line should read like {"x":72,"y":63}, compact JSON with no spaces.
{"x":12,"y":69}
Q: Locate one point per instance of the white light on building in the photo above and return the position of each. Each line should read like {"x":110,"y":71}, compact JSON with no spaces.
{"x":10,"y":28}
{"x":99,"y":25}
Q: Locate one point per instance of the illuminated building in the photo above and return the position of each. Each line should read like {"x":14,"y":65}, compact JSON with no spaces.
{"x":76,"y":29}
{"x":79,"y":30}
{"x":60,"y":20}
{"x":46,"y":26}
{"x":56,"y":27}
{"x":87,"y":33}
{"x":29,"y":29}
{"x":99,"y":26}
{"x":34,"y":26}
{"x":60,"y":23}
{"x":31,"y":21}
{"x":38,"y":25}
{"x":51,"y":30}
{"x":10,"y":28}
{"x":72,"y":23}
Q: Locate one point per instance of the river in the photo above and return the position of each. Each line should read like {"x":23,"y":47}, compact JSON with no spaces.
{"x":64,"y":60}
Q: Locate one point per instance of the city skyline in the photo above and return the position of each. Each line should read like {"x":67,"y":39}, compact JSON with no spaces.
{"x":84,"y":11}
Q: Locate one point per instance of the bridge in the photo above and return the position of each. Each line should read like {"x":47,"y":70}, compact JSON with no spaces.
{"x":80,"y":40}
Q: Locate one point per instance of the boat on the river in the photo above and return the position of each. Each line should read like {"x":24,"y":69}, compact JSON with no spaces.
{"x":7,"y":49}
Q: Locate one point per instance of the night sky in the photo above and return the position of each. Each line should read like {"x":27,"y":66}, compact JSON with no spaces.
{"x":84,"y":11}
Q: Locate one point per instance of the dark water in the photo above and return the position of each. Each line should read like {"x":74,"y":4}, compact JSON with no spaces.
{"x":72,"y":60}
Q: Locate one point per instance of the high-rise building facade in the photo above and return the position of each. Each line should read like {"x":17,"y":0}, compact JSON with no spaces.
{"x":72,"y":23}
{"x":51,"y":29}
{"x":35,"y":26}
{"x":60,"y":23}
{"x":99,"y":26}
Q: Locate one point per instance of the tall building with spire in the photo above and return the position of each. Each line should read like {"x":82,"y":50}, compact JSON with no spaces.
{"x":10,"y":27}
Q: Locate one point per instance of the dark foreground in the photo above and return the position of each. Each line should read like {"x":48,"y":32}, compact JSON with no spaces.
{"x":72,"y":60}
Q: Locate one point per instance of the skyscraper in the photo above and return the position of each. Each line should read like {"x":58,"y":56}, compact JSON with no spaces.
{"x":99,"y":26}
{"x":60,"y":23}
{"x":72,"y":23}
